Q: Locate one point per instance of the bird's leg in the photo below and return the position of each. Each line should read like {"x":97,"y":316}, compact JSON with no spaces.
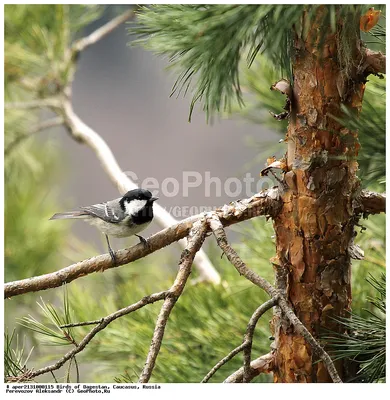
{"x":111,"y":252}
{"x":142,"y":240}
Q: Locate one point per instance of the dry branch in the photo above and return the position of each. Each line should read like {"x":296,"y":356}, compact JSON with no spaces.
{"x":248,"y":338}
{"x":246,"y":345}
{"x":196,"y":238}
{"x":241,"y":267}
{"x":264,"y":203}
{"x":224,"y":360}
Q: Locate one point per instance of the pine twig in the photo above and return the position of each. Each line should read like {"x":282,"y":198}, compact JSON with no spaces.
{"x":81,"y":44}
{"x":196,"y":238}
{"x":102,"y":325}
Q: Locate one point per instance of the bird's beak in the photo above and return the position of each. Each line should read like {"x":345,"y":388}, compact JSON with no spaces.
{"x":153,"y":199}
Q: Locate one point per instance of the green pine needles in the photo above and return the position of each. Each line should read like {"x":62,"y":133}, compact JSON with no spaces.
{"x":207,"y":42}
{"x":364,"y":342}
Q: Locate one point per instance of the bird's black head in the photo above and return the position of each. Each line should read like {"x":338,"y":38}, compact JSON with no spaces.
{"x":137,"y":202}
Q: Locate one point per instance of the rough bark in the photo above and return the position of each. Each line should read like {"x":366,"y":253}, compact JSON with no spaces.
{"x":315,"y":227}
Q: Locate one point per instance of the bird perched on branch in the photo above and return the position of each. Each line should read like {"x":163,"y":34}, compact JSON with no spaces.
{"x":122,"y":217}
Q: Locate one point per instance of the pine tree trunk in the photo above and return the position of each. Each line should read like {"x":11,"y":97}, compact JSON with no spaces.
{"x":315,"y":228}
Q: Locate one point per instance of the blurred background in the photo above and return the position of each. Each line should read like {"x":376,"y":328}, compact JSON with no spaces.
{"x":123,"y":92}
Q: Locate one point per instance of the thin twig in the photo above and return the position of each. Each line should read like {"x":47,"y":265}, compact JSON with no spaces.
{"x":85,"y":323}
{"x":103,"y":324}
{"x":101,"y":32}
{"x":196,"y":238}
{"x":264,"y":203}
{"x":241,"y":267}
{"x":248,"y":338}
{"x":246,"y":345}
{"x":50,"y":123}
{"x":224,"y":360}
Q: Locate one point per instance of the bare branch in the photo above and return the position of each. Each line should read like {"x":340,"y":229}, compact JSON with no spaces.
{"x":248,"y":338}
{"x":246,"y":345}
{"x":263,"y":364}
{"x":241,"y":267}
{"x":264,"y":203}
{"x":196,"y":238}
{"x":375,"y":62}
{"x":101,"y":32}
{"x":371,"y":203}
{"x":50,"y":123}
{"x":102,"y":324}
{"x":224,"y":360}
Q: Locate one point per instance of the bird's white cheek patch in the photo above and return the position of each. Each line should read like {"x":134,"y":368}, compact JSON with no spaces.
{"x":134,"y":206}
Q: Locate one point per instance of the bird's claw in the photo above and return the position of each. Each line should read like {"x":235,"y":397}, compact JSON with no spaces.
{"x":143,"y":240}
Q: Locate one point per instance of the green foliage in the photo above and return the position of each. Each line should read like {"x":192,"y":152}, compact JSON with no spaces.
{"x":15,"y":357}
{"x":37,"y":38}
{"x":364,"y":340}
{"x":207,"y":42}
{"x":55,"y":335}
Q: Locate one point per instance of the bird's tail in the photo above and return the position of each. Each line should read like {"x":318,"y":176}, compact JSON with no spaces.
{"x":70,"y":214}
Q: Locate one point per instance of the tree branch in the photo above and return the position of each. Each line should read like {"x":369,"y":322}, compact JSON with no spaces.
{"x":224,"y":360}
{"x":246,"y":345}
{"x":81,"y":44}
{"x":196,"y":238}
{"x":263,"y":364}
{"x":371,"y":203}
{"x":248,"y":338}
{"x":102,"y":324}
{"x":241,"y":267}
{"x":265,"y":203}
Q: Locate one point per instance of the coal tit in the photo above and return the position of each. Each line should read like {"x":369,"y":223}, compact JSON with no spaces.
{"x":122,"y":217}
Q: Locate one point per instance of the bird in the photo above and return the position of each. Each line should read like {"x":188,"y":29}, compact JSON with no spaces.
{"x":122,"y":217}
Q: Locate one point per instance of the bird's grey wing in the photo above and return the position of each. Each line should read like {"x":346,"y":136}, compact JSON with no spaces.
{"x":109,"y":211}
